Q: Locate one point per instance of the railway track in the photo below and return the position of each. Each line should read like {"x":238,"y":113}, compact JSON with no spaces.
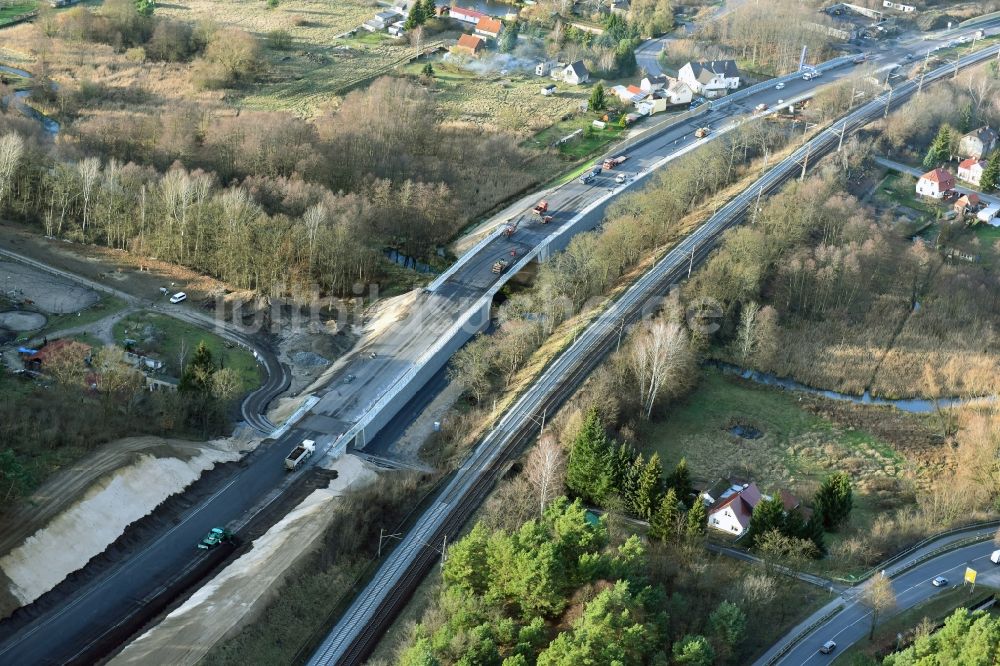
{"x":359,"y":629}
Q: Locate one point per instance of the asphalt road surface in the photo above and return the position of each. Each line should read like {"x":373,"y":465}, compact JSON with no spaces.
{"x":56,"y":635}
{"x":912,"y":587}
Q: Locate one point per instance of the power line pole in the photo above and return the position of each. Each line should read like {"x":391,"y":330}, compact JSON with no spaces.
{"x":843,"y":128}
{"x":888,"y":100}
{"x":805,"y":162}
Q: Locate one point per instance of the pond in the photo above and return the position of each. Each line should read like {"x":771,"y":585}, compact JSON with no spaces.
{"x":911,"y":405}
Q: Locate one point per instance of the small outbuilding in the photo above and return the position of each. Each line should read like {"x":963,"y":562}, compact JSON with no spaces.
{"x":470,"y":45}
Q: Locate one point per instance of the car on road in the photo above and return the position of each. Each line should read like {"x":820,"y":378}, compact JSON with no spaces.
{"x":621,"y":178}
{"x":939,"y":581}
{"x":780,"y":86}
{"x":214,"y":538}
{"x":178,"y":297}
{"x":828,"y":647}
{"x":760,"y":107}
{"x":349,"y":378}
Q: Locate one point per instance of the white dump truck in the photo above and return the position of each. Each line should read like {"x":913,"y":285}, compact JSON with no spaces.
{"x":299,"y":453}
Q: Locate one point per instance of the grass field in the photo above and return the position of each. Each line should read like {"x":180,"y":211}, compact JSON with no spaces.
{"x":797,"y":449}
{"x":165,"y":338}
{"x":12,"y":11}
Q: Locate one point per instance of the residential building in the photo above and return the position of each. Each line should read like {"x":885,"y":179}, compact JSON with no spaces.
{"x":977,"y":143}
{"x":971,"y":170}
{"x":651,"y":83}
{"x":544,"y":67}
{"x":990,"y":215}
{"x":470,"y":45}
{"x":731,"y":514}
{"x":62,"y":348}
{"x":935,"y":183}
{"x":489,"y":27}
{"x":967,"y":203}
{"x":678,"y":92}
{"x":373,"y":25}
{"x":465,"y":15}
{"x":574,"y":73}
{"x":712,"y":79}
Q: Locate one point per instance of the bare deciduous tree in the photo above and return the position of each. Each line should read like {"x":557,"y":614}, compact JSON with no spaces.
{"x":11,"y":150}
{"x":660,"y":357}
{"x":879,"y":597}
{"x":546,"y":470}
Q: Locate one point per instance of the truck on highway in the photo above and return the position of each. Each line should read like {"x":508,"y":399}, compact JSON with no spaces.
{"x":701,"y":132}
{"x":299,"y":453}
{"x":612,"y":162}
{"x":500,"y":265}
{"x":541,"y":207}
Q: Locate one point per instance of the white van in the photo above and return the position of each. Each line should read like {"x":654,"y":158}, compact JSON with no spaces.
{"x":995,"y":557}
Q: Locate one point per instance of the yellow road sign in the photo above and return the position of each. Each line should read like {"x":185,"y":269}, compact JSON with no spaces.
{"x":970,"y":575}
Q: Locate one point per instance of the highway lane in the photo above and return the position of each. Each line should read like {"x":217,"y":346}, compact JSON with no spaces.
{"x":55,"y":634}
{"x":911,"y":587}
{"x":361,"y":625}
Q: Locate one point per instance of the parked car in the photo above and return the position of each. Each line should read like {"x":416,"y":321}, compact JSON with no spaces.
{"x":780,"y":86}
{"x":178,"y":297}
{"x":828,"y":647}
{"x":940,"y":581}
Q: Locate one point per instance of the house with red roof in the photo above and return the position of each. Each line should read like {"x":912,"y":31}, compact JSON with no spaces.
{"x":470,"y":45}
{"x":935,"y":183}
{"x":466,"y":15}
{"x":967,"y":203}
{"x":64,"y":348}
{"x":489,"y":27}
{"x":971,"y":170}
{"x":731,"y":513}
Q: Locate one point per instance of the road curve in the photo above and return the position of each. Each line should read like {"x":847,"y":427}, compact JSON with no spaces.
{"x":253,"y":409}
{"x":359,"y":629}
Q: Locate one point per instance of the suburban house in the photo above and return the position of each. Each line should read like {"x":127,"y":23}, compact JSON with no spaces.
{"x":967,"y":203}
{"x":990,"y":215}
{"x":470,"y":45}
{"x":574,"y":73}
{"x":381,"y":21}
{"x":489,"y":27}
{"x":712,"y":79}
{"x":62,"y":348}
{"x":373,"y":25}
{"x":651,"y":105}
{"x":971,"y":170}
{"x":651,"y":83}
{"x":935,"y":183}
{"x":678,"y":92}
{"x":466,"y":15}
{"x":977,"y":143}
{"x":544,"y":67}
{"x":731,"y":512}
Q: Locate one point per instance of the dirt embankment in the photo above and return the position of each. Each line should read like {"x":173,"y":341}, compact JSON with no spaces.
{"x":226,"y":603}
{"x":83,"y":509}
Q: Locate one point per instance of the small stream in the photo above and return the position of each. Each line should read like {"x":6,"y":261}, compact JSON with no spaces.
{"x":20,"y":102}
{"x":911,"y":405}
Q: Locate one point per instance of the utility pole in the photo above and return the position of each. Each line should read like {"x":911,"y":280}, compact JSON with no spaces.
{"x":542,"y":429}
{"x":923,"y":72}
{"x":843,"y":128}
{"x":802,"y":58}
{"x":444,"y":551}
{"x":888,"y":100}
{"x":621,"y":331}
{"x":805,"y":162}
{"x":756,"y":206}
{"x":691,"y":262}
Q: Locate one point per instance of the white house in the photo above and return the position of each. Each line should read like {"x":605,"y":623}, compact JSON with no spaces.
{"x":466,"y":15}
{"x":373,"y":25}
{"x":935,"y":183}
{"x":977,"y":143}
{"x":651,"y":83}
{"x":678,"y":92}
{"x":971,"y":170}
{"x":990,"y":215}
{"x":731,"y":513}
{"x":712,"y":79}
{"x":651,"y":105}
{"x":544,"y":67}
{"x":575,"y":73}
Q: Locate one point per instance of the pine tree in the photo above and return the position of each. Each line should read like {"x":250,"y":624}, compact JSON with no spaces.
{"x":991,"y":174}
{"x":769,"y":514}
{"x":508,"y":38}
{"x":663,"y":524}
{"x":620,"y":467}
{"x":965,"y":124}
{"x":587,"y":473}
{"x":597,"y":100}
{"x":646,"y":485}
{"x":940,"y":149}
{"x":197,"y":376}
{"x":416,"y":17}
{"x":430,"y":9}
{"x":834,"y":500}
{"x":428,"y":71}
{"x":680,"y":480}
{"x":697,"y":519}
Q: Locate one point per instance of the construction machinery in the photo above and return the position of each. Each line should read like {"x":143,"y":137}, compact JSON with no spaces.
{"x":541,"y":207}
{"x":299,"y":453}
{"x":216,"y":536}
{"x":612,"y":162}
{"x":500,"y":265}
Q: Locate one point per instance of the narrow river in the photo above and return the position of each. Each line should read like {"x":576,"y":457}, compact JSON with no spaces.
{"x":19,"y":101}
